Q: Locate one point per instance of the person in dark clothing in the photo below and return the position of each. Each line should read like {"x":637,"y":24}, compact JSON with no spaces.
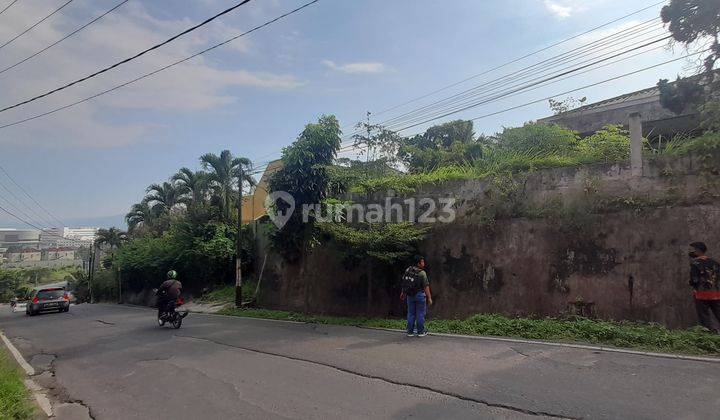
{"x":168,"y":293}
{"x":705,"y":280}
{"x":416,"y":291}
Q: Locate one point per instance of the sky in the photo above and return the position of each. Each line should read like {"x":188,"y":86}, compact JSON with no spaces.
{"x":88,"y":164}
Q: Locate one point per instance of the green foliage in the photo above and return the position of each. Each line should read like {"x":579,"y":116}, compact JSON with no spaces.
{"x":305,"y":176}
{"x":113,"y":237}
{"x":347,"y":173}
{"x":14,"y":397}
{"x":226,"y":293}
{"x":202,"y":252}
{"x":522,"y":149}
{"x":551,"y":139}
{"x":407,"y":183}
{"x":693,"y":20}
{"x":650,"y":337}
{"x":611,"y":144}
{"x":681,"y":95}
{"x":448,"y":144}
{"x":224,"y":170}
{"x":18,"y":282}
{"x":385,"y":243}
{"x":706,"y":144}
{"x":375,"y":142}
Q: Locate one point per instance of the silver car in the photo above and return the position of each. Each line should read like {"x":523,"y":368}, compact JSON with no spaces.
{"x":47,"y":300}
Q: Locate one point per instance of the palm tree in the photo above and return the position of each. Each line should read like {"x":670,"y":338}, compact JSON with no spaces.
{"x":140,"y":214}
{"x":112,"y":237}
{"x":224,"y":171}
{"x":164,"y":197}
{"x":191,"y":183}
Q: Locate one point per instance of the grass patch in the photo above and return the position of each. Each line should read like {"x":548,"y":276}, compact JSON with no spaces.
{"x":649,"y":337}
{"x":226,"y":293}
{"x":14,"y":402}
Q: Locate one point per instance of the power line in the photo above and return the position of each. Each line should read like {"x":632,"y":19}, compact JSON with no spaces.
{"x":572,"y":90}
{"x":589,"y":49}
{"x":156,"y":71}
{"x":35,"y":24}
{"x":520,"y":87}
{"x":29,"y":196}
{"x":8,"y":6}
{"x":64,"y":38}
{"x":490,"y":70}
{"x":127,"y":60}
{"x":519,"y":58}
{"x":36,"y":215}
{"x":48,"y":232}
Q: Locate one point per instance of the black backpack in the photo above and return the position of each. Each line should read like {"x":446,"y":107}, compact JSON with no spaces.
{"x":411,"y":282}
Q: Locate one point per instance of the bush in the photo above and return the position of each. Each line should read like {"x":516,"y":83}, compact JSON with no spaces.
{"x":611,"y":144}
{"x":537,"y":138}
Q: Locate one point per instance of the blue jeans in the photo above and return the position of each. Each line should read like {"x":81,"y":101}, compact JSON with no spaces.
{"x":416,"y":308}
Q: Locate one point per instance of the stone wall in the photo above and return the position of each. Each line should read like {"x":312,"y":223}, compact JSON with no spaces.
{"x":622,"y":262}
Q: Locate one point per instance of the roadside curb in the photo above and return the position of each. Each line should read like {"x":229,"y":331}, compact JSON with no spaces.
{"x":493,"y":338}
{"x":37,"y":391}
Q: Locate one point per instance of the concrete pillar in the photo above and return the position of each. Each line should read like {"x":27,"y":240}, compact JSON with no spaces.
{"x":636,"y":144}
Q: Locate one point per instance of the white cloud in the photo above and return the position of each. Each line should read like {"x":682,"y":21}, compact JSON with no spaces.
{"x":367,"y":67}
{"x":198,"y":84}
{"x":560,"y":11}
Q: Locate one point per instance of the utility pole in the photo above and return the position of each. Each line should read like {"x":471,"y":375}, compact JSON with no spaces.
{"x":91,"y":272}
{"x":119,"y":282}
{"x":238,"y":242}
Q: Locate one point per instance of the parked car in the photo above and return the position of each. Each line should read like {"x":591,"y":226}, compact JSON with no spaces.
{"x":46,"y":300}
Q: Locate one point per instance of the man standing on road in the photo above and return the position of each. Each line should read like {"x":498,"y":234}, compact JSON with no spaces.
{"x":416,"y":290}
{"x":168,"y":293}
{"x":705,"y":279}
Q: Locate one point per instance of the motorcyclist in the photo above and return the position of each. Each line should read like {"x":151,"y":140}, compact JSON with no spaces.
{"x":168,"y":293}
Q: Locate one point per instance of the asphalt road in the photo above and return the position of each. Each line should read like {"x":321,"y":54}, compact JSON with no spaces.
{"x":119,"y":363}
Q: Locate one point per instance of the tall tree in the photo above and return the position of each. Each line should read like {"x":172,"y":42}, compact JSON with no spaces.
{"x":163,"y":197}
{"x":194,"y":184}
{"x":223,"y":173}
{"x":696,"y":24}
{"x":140,"y":214}
{"x":113,"y":237}
{"x":304,"y":175}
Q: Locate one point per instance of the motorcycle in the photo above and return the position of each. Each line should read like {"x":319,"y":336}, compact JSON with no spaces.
{"x":173,"y":316}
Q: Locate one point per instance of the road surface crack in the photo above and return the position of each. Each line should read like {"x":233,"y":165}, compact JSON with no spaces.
{"x":105,"y":322}
{"x":380,"y":378}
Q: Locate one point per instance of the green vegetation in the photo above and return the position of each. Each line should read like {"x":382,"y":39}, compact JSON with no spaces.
{"x":19,"y":282}
{"x":14,"y":397}
{"x":706,"y":144}
{"x":226,"y":293}
{"x":690,"y":23}
{"x":514,"y":150}
{"x":304,"y":175}
{"x":648,"y":337}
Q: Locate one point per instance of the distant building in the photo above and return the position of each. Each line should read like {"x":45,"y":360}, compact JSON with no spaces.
{"x":23,"y":255}
{"x":67,"y":237}
{"x":52,"y":237}
{"x":19,"y":238}
{"x":657,"y":121}
{"x":85,"y":234}
{"x":59,"y":254}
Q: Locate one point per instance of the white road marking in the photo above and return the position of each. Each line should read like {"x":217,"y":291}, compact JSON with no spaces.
{"x":29,"y":370}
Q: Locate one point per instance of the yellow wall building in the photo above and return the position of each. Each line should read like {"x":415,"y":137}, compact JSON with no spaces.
{"x":253,"y":206}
